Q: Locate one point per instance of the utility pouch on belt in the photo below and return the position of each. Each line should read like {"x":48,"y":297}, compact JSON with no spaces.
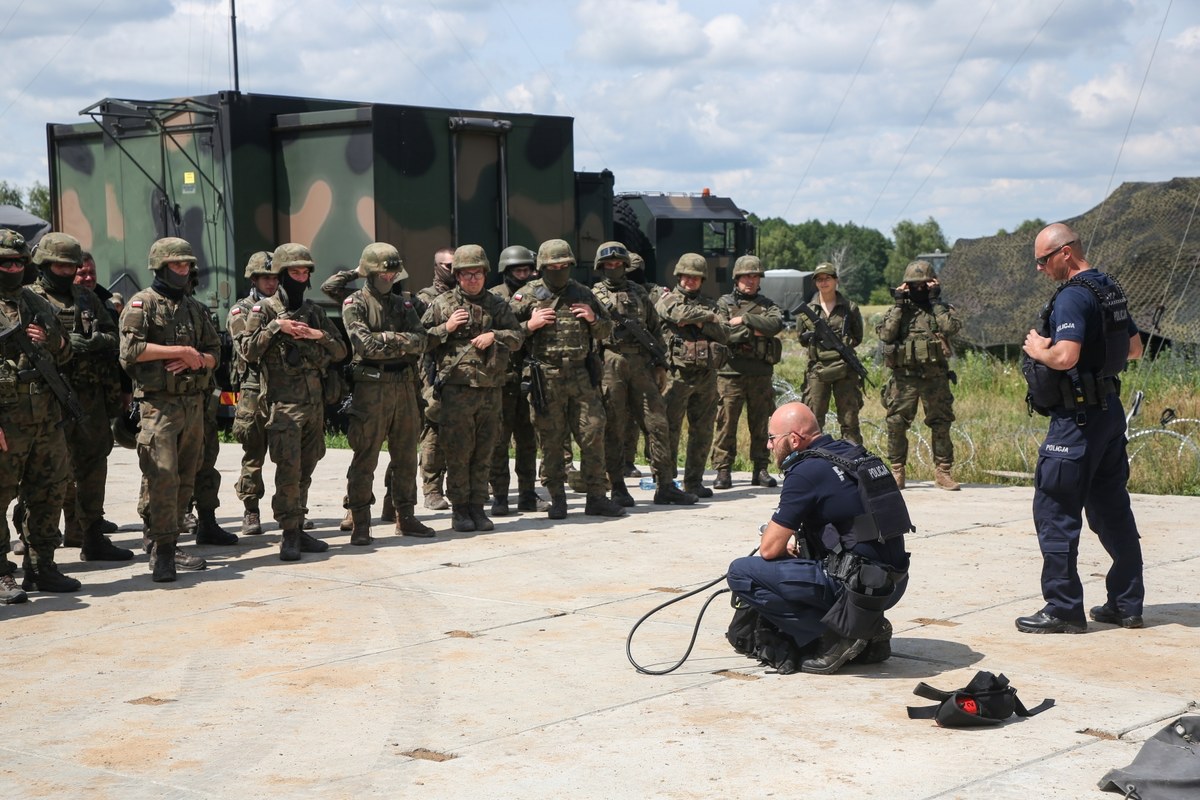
{"x":866,"y":591}
{"x":8,"y":384}
{"x":986,"y":700}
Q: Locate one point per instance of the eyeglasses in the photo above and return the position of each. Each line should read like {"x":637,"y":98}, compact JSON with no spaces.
{"x":771,"y":437}
{"x":471,"y":275}
{"x":616,"y":251}
{"x":1043,"y":260}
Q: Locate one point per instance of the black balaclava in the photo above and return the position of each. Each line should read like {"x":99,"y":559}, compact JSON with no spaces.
{"x":380,"y":284}
{"x":919,"y":294}
{"x":57,"y":285}
{"x":170,"y":284}
{"x":11,"y":283}
{"x":512,"y":281}
{"x":293,"y":290}
{"x":616,"y":278}
{"x":556,"y":279}
{"x":443,"y":277}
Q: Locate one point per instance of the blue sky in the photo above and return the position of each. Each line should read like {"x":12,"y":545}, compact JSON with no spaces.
{"x":980,"y":114}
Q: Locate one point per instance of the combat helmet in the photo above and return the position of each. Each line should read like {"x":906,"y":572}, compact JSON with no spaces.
{"x":825,"y":268}
{"x":13,"y":245}
{"x":58,"y":248}
{"x":380,"y":257}
{"x":125,"y":427}
{"x":692,"y":264}
{"x":516,"y":256}
{"x":555,"y":251}
{"x":170,"y":249}
{"x":613,"y":251}
{"x":259,"y":265}
{"x":291,"y":255}
{"x":747,"y":265}
{"x":919,"y":272}
{"x":470,"y":256}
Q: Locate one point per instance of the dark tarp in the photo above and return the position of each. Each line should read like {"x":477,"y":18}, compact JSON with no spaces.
{"x":24,"y":223}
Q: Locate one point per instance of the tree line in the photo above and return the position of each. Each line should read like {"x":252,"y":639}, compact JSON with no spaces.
{"x":35,"y":199}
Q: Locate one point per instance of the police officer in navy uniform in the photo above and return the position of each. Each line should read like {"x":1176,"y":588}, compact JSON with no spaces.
{"x":1072,"y":368}
{"x":817,"y":561}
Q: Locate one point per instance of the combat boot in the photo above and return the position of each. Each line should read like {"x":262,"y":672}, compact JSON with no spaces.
{"x":189,"y":522}
{"x":162,"y":562}
{"x":41,"y":573}
{"x":528,"y":500}
{"x":436,"y":501}
{"x":699,"y":489}
{"x":186,"y":561}
{"x":898,"y":474}
{"x":500,"y":505}
{"x":879,"y":647}
{"x":18,"y":547}
{"x":72,"y":533}
{"x":835,"y":651}
{"x":10,"y":593}
{"x":631,"y":471}
{"x":251,"y":523}
{"x":558,"y":506}
{"x":943,"y":480}
{"x":209,"y":532}
{"x":289,"y":545}
{"x":460,"y":519}
{"x":388,"y":513}
{"x":360,"y":534}
{"x":575,"y":481}
{"x":620,"y":495}
{"x":98,"y":547}
{"x":763,"y":478}
{"x":724,"y":480}
{"x":668,"y":493}
{"x":311,"y":544}
{"x":409,"y":525}
{"x":107,"y":526}
{"x":347,"y":523}
{"x":482,"y":523}
{"x":600,"y":506}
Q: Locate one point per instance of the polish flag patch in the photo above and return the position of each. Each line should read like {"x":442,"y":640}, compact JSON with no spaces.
{"x":236,"y":311}
{"x":348,"y":301}
{"x":517,"y":296}
{"x":136,"y":304}
{"x":256,"y":308}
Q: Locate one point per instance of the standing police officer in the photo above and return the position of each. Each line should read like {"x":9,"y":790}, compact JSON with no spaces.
{"x":828,"y":373}
{"x":1086,"y":340}
{"x":694,"y":332}
{"x":915,"y":334}
{"x":293,"y":344}
{"x":754,"y":325}
{"x":170,"y":348}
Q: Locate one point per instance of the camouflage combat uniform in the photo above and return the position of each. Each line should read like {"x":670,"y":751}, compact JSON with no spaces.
{"x":35,"y":463}
{"x":915,"y":337}
{"x":432,"y":459}
{"x":828,"y":373}
{"x":249,"y":422}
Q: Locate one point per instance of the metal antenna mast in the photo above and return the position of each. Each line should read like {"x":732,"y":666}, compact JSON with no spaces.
{"x":233,"y":33}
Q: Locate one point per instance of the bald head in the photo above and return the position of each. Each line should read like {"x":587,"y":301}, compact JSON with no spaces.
{"x":1057,"y":234}
{"x":795,"y":417}
{"x":1059,"y":252}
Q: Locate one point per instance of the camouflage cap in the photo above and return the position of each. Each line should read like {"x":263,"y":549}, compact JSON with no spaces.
{"x":825,"y":268}
{"x":555,"y":251}
{"x":918,"y":272}
{"x":291,"y":255}
{"x":170,"y":249}
{"x":58,"y":248}
{"x":12,"y":245}
{"x":470,"y":256}
{"x":259,"y":264}
{"x":379,"y":257}
{"x":747,"y":265}
{"x":612,"y":251}
{"x":516,"y":256}
{"x":692,"y":264}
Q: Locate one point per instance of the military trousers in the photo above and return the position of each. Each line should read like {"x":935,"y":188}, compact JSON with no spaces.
{"x":900,"y":397}
{"x":691,"y":393}
{"x":573,"y":406}
{"x":433,"y":460}
{"x":250,"y":430}
{"x":170,"y":445}
{"x":516,"y":427}
{"x":472,"y":426}
{"x":208,"y":477}
{"x":35,"y":466}
{"x":383,"y":411}
{"x":847,"y":394}
{"x":296,"y":442}
{"x":89,"y":443}
{"x":632,"y":398}
{"x":757,"y":395}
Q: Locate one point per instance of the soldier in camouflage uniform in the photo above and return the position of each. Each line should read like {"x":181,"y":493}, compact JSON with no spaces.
{"x":517,"y":266}
{"x":915,"y":336}
{"x":249,"y":422}
{"x":292,"y":343}
{"x":33,"y":452}
{"x":472,"y":332}
{"x":433,"y":460}
{"x":170,"y":348}
{"x":745,"y":380}
{"x":91,"y":372}
{"x":632,"y":380}
{"x":694,"y":332}
{"x":563,"y":324}
{"x":387,"y":340}
{"x":828,"y":373}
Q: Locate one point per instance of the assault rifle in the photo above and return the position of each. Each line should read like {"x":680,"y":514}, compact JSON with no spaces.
{"x":658,"y":353}
{"x":832,"y":340}
{"x":535,"y":387}
{"x":48,"y":370}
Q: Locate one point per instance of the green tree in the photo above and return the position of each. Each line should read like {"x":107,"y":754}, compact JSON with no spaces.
{"x":11,"y":195}
{"x":39,"y":200}
{"x":778,"y":245}
{"x":911,"y":239}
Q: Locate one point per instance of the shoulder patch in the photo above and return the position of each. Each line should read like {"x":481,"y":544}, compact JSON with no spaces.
{"x":517,"y":296}
{"x":348,"y":301}
{"x":236,"y":310}
{"x":136,"y":304}
{"x":408,"y":303}
{"x":256,"y":307}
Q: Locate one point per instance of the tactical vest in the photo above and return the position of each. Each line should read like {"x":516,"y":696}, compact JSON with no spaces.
{"x":923,"y":345}
{"x":630,"y":302}
{"x":242,"y":374}
{"x":1074,"y":388}
{"x":93,"y":370}
{"x":765,"y":349}
{"x":460,"y":362}
{"x":170,"y":323}
{"x":688,"y":346}
{"x":569,"y":338}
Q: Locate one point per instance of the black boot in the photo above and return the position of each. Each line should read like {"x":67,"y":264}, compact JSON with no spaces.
{"x":209,"y":532}
{"x":162,"y":562}
{"x":879,"y":647}
{"x":620,"y":495}
{"x":724,"y":480}
{"x":600,"y":506}
{"x":500,"y":505}
{"x":528,"y":500}
{"x":409,"y":525}
{"x":186,"y":561}
{"x":460,"y":519}
{"x":763,"y":478}
{"x":700,"y":490}
{"x":668,"y":493}
{"x":42,"y":573}
{"x":289,"y":545}
{"x":360,"y":535}
{"x":558,"y":506}
{"x":107,"y":527}
{"x":98,"y":547}
{"x":311,"y":544}
{"x":835,"y":651}
{"x":388,"y":512}
{"x":482,"y":523}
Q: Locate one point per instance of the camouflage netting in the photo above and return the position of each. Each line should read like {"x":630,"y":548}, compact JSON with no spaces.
{"x":1137,"y":235}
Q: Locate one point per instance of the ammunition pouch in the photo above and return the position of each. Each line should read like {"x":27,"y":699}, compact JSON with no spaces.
{"x":1055,"y":390}
{"x":919,"y":351}
{"x":187,"y":382}
{"x":698,"y":354}
{"x":891,"y":357}
{"x":334,"y":386}
{"x":831,"y":372}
